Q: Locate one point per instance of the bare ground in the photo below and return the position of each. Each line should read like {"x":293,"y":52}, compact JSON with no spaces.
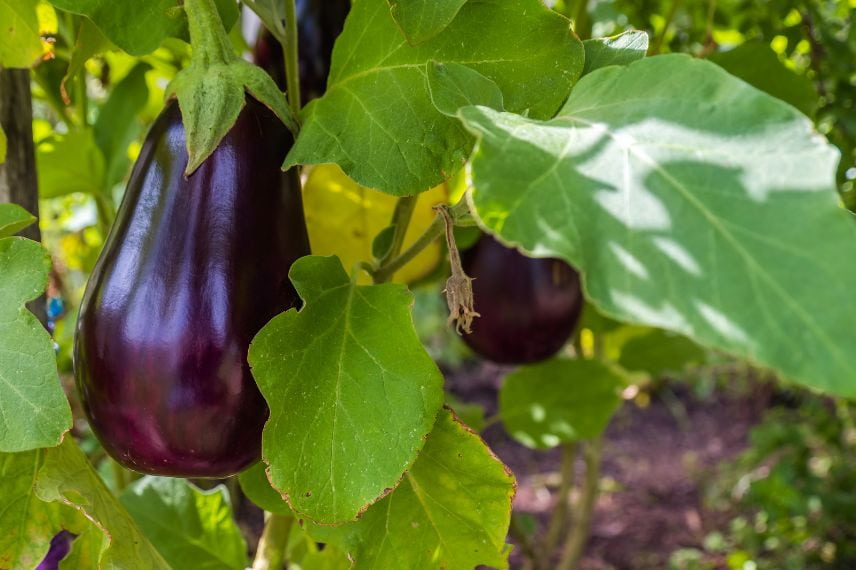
{"x":656,"y":459}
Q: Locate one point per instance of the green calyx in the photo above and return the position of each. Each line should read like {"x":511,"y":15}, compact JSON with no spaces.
{"x":212,"y":90}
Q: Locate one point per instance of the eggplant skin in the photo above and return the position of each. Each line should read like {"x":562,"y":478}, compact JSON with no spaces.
{"x":192,"y":269}
{"x":319,"y":23}
{"x":529,"y":307}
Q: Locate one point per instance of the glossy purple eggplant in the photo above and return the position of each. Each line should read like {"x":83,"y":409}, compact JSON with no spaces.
{"x":59,"y":548}
{"x":193,"y":268}
{"x":319,"y":23}
{"x":529,"y":307}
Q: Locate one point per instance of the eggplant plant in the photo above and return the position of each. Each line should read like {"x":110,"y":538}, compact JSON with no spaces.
{"x":634,"y":211}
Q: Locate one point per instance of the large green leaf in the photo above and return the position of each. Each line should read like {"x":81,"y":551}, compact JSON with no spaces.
{"x":191,"y":528}
{"x":26,"y":522}
{"x":756,"y":63}
{"x":452,"y":509}
{"x":140,"y":27}
{"x":14,"y":218}
{"x":692,"y":202}
{"x":33,"y":409}
{"x":19,"y":34}
{"x":559,"y":401}
{"x":67,"y":477}
{"x":377,"y":120}
{"x":421,"y":20}
{"x":351,"y":390}
{"x":70,"y":162}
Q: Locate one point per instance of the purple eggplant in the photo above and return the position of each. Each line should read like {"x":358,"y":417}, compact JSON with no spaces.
{"x":319,"y":23}
{"x":529,"y":307}
{"x":59,"y":548}
{"x":192,"y":269}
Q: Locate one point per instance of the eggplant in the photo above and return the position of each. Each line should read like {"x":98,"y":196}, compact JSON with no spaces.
{"x":192,"y":269}
{"x":529,"y":307}
{"x":319,"y":23}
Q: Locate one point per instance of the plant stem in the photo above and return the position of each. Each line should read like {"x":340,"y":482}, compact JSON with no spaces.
{"x":560,"y":512}
{"x":384,"y":272}
{"x":658,"y":43}
{"x":519,"y":534}
{"x":573,"y":549}
{"x":401,"y":220}
{"x":208,"y":37}
{"x":292,"y":69}
{"x":271,"y":551}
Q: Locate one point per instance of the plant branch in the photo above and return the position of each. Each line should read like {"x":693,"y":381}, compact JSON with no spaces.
{"x":292,"y":68}
{"x":401,"y":221}
{"x":270,"y":554}
{"x":658,"y":43}
{"x":527,"y":546}
{"x":560,"y":512}
{"x":573,"y":549}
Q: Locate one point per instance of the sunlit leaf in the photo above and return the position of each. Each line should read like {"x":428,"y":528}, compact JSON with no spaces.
{"x":352,"y":392}
{"x":19,"y":40}
{"x":421,"y":20}
{"x":691,"y":202}
{"x":452,"y":509}
{"x":622,"y":49}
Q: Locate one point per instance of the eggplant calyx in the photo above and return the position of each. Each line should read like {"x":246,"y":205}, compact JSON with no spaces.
{"x":212,"y":89}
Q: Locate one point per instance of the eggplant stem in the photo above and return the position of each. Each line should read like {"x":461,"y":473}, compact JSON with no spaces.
{"x":271,"y":554}
{"x":207,"y":34}
{"x":292,"y":67}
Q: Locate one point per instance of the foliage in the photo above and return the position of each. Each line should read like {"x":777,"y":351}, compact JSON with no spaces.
{"x":694,"y":196}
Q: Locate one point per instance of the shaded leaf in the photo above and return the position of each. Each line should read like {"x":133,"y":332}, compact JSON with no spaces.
{"x":658,"y":352}
{"x":118,"y":125}
{"x":14,"y":218}
{"x":69,"y":162}
{"x":191,"y":528}
{"x":756,"y":63}
{"x":377,"y":120}
{"x":33,"y":409}
{"x":352,"y":392}
{"x":67,"y":477}
{"x":140,"y":27}
{"x":452,"y":510}
{"x":623,"y":49}
{"x":255,"y":485}
{"x":698,"y":205}
{"x":88,"y":43}
{"x":559,"y":401}
{"x":421,"y":20}
{"x":453,"y":86}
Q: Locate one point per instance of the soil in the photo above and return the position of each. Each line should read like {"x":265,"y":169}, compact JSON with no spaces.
{"x":656,"y":461}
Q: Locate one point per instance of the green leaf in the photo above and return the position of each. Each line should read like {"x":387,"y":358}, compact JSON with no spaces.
{"x":471,"y":414}
{"x":756,"y":63}
{"x":658,"y":352}
{"x":14,"y":218}
{"x":382,"y":242}
{"x":352,"y":392}
{"x":691,"y":202}
{"x":559,"y":401}
{"x":2,"y":146}
{"x":377,"y":120}
{"x":453,"y":86}
{"x":452,"y":510}
{"x":33,"y":409}
{"x":85,"y":550}
{"x":67,"y":477}
{"x":191,"y":528}
{"x":255,"y":485}
{"x":117,"y":125}
{"x":69,"y":162}
{"x":140,"y":27}
{"x":26,"y":522}
{"x":623,"y":49}
{"x":88,"y":43}
{"x":421,"y":20}
{"x":19,"y":41}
